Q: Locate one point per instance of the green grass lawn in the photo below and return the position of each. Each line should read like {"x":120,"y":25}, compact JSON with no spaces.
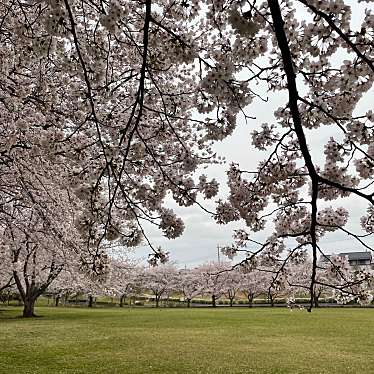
{"x":146,"y":340}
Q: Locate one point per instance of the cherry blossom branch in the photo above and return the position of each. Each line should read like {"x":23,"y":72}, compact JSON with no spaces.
{"x":332,"y":24}
{"x":297,"y":122}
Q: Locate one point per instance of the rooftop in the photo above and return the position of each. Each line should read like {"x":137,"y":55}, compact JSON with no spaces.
{"x":352,"y":256}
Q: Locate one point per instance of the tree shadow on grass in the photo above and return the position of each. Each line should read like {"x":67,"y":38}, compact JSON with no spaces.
{"x":11,"y":314}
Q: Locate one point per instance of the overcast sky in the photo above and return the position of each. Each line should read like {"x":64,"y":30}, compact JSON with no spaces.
{"x":199,"y":242}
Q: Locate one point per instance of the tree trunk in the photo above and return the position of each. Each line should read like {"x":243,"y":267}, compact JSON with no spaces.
{"x":122,"y":300}
{"x":316,"y":301}
{"x":66,"y":298}
{"x":250,"y":301}
{"x":90,"y":301}
{"x":157,"y":301}
{"x":214,"y":304}
{"x":231,"y":302}
{"x":271,"y":300}
{"x":28,"y":295}
{"x":28,"y":307}
{"x":57,"y":301}
{"x":188,"y":303}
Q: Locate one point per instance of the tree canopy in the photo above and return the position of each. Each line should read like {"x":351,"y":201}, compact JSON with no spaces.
{"x":108,"y":107}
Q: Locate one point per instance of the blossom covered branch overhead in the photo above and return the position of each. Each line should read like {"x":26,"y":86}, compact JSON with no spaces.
{"x":123,"y":101}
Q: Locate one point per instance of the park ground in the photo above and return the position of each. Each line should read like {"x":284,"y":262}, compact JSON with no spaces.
{"x":171,"y":341}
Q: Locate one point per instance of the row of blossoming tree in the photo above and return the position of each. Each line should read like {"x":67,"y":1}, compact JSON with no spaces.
{"x":123,"y":280}
{"x":107,"y":107}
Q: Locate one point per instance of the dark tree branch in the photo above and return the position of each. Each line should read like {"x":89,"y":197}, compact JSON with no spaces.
{"x":297,"y":122}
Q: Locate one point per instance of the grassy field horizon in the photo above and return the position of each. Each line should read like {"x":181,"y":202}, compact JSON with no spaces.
{"x":149,"y":340}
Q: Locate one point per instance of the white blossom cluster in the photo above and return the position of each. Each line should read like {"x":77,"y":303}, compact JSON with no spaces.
{"x":367,"y":221}
{"x":115,"y":13}
{"x":170,"y":224}
{"x":243,"y":26}
{"x":209,"y":189}
{"x":365,"y":166}
{"x":264,"y":138}
{"x":225,"y":213}
{"x":331,"y":219}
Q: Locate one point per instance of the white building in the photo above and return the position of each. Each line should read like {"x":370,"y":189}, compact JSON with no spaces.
{"x":361,"y":260}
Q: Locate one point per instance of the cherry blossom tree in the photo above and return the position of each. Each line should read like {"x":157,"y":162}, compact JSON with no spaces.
{"x":231,"y":282}
{"x":40,"y":231}
{"x":213,"y":280}
{"x":190,"y":284}
{"x":123,"y":280}
{"x":131,"y":95}
{"x":71,"y":282}
{"x":37,"y":231}
{"x":253,"y":283}
{"x":37,"y":251}
{"x":299,"y":281}
{"x":160,"y":280}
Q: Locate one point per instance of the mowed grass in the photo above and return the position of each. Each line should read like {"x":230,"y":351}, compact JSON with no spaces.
{"x":147,"y":340}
